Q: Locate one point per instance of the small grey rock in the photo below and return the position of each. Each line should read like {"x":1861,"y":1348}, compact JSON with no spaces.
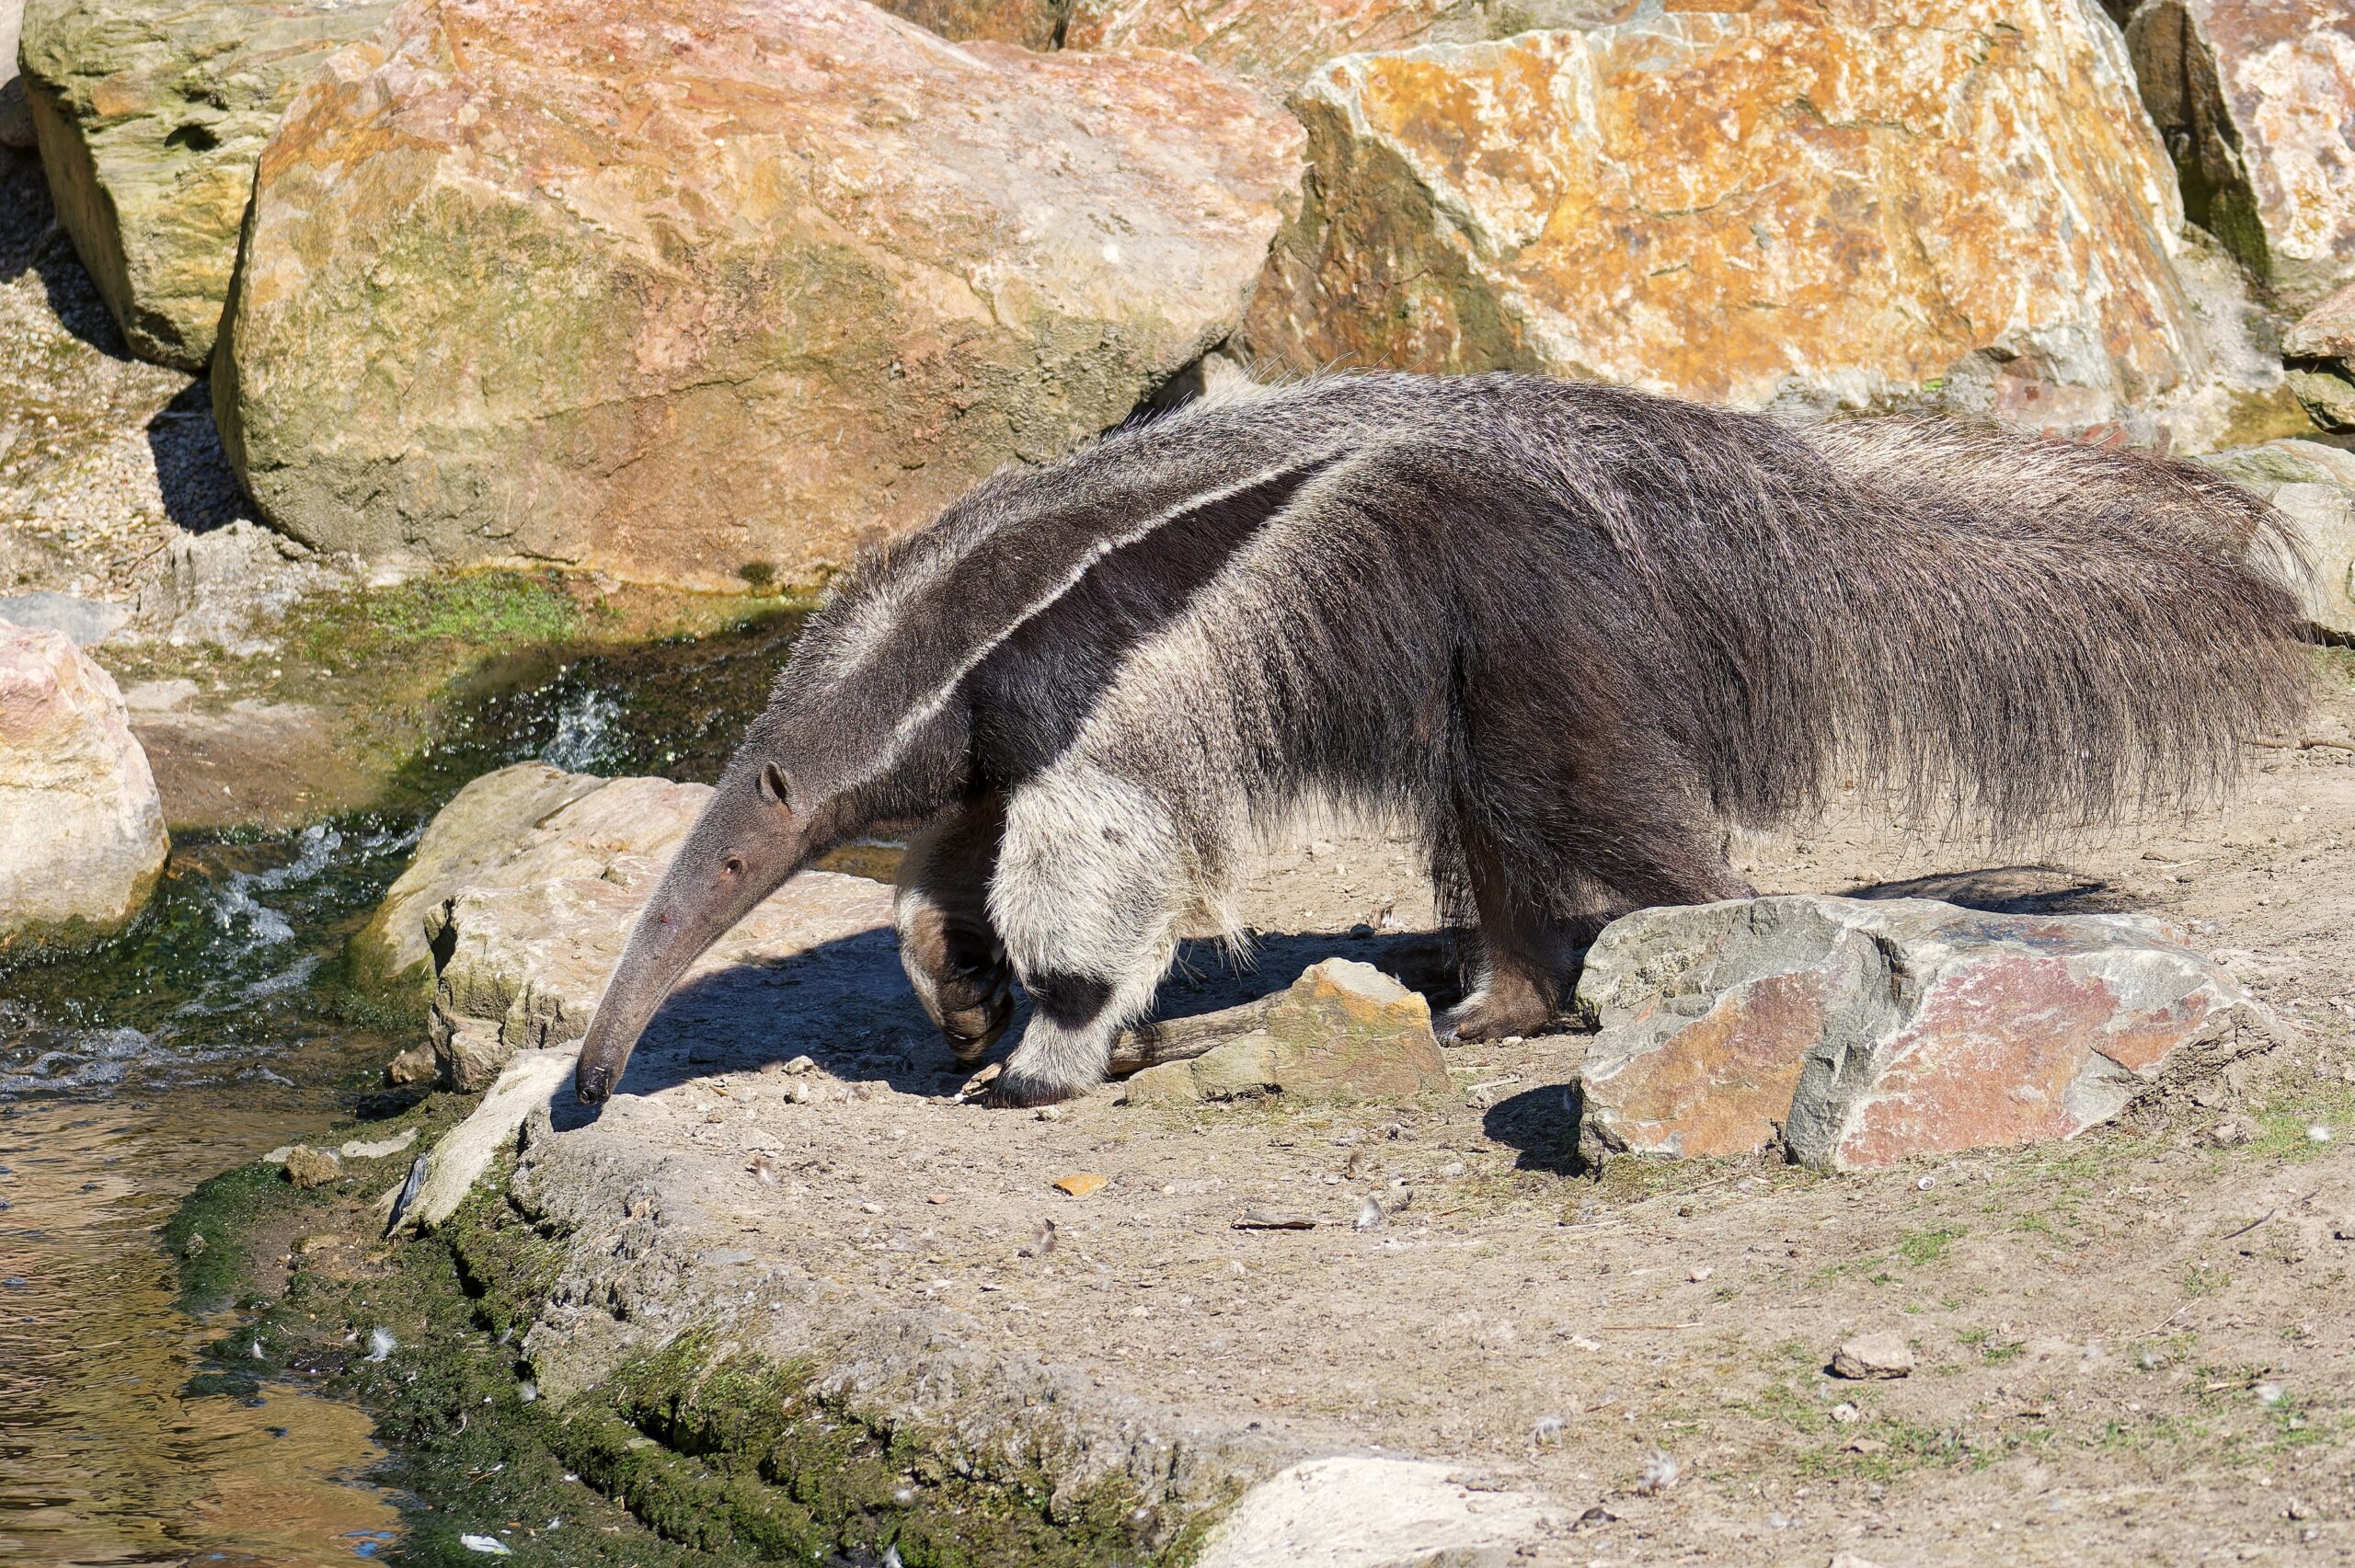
{"x":1873,"y":1355}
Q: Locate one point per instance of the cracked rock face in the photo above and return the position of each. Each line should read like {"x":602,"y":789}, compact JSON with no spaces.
{"x":1750,"y":204}
{"x":150,"y":115}
{"x":2257,"y":101}
{"x":1271,"y":41}
{"x":81,"y":838}
{"x":673,"y":290}
{"x":1864,"y":1033}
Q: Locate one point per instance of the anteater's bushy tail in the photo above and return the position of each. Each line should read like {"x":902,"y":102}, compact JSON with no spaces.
{"x":2044,"y":635}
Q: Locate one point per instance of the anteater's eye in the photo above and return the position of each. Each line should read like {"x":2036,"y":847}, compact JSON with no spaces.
{"x":733,"y":865}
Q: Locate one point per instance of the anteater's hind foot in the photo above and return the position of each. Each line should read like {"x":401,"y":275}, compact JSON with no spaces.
{"x":1067,"y":1046}
{"x":1509,"y":1004}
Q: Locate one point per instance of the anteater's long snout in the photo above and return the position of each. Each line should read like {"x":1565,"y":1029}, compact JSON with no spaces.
{"x":741,"y":849}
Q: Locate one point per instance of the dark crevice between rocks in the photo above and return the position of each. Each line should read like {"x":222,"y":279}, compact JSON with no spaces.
{"x":2179,"y":90}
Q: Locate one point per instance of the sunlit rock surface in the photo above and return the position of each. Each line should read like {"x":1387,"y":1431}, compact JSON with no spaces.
{"x":677,"y":291}
{"x":150,"y":115}
{"x":81,"y":838}
{"x":1754,"y":204}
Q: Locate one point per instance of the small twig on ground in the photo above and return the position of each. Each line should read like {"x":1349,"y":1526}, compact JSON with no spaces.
{"x":2252,"y":1225}
{"x":2304,"y":743}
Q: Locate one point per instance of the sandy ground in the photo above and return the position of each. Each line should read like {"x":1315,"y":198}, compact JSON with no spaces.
{"x":2133,"y":1347}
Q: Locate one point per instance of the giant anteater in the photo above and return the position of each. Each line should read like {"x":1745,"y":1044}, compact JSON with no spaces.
{"x":1563,"y":633}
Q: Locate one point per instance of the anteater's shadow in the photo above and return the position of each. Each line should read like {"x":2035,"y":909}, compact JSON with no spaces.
{"x":845,"y":1005}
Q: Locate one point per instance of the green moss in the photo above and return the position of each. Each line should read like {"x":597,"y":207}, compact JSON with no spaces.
{"x":211,"y":1233}
{"x":687,"y":1456}
{"x":498,"y":609}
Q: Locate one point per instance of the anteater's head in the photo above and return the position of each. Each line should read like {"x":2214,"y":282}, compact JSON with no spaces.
{"x":748,"y":842}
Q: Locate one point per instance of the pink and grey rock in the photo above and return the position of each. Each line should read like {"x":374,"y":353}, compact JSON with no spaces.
{"x":1863,"y":1033}
{"x":82,"y":839}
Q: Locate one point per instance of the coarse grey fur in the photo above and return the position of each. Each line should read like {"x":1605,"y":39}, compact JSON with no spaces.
{"x":1564,"y":632}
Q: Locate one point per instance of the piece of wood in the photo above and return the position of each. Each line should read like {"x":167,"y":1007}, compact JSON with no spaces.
{"x":1182,"y":1039}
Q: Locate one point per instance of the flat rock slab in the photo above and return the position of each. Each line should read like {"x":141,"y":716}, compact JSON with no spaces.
{"x":483,"y":837}
{"x":1858,"y":1034}
{"x":523,"y":891}
{"x":87,"y":621}
{"x":676,"y":289}
{"x":81,"y":838}
{"x":1351,"y":1512}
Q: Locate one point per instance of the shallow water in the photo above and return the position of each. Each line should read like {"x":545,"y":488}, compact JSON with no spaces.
{"x":125,"y":1080}
{"x":215,"y":1031}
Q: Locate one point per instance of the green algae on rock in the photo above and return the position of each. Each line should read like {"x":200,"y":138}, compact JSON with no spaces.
{"x":150,"y":114}
{"x":687,"y":1454}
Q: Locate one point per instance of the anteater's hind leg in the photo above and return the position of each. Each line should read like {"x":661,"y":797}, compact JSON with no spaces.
{"x":1519,"y":952}
{"x":1086,"y":896}
{"x":1559,"y":832}
{"x":952,"y":954}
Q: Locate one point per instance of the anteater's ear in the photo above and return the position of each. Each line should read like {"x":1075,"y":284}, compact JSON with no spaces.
{"x":773,"y":784}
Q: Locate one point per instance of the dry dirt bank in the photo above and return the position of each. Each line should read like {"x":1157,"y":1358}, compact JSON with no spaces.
{"x":2133,"y":1347}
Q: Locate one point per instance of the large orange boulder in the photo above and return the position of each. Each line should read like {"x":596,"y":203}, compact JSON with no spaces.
{"x":1773,"y":201}
{"x":675,"y":290}
{"x":2257,"y":101}
{"x":1858,"y":1034}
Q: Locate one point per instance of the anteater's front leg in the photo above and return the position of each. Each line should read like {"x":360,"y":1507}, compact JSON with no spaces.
{"x":952,"y":954}
{"x":1085,"y":897}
